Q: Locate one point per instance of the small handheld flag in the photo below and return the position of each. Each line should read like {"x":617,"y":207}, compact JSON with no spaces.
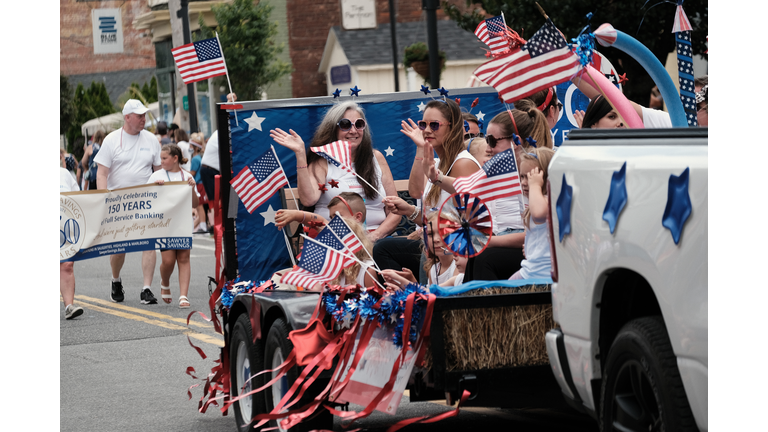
{"x":259,"y":181}
{"x":498,"y":178}
{"x":199,"y":61}
{"x":318,"y":264}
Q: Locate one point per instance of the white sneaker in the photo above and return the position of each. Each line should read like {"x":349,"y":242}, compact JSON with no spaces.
{"x":72,"y":311}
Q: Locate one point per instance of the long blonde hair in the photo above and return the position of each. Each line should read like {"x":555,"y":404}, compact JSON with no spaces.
{"x":350,"y":273}
{"x":542,"y":158}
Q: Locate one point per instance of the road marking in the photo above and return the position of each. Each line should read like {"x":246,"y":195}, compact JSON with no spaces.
{"x":193,"y":334}
{"x":198,"y":246}
{"x":142,"y":311}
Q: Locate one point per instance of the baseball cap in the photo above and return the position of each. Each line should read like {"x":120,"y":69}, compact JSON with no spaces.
{"x":134,"y":106}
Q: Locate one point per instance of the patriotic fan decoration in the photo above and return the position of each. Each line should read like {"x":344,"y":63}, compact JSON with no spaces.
{"x":465,"y":225}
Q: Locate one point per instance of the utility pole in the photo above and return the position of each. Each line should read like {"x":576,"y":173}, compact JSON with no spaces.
{"x":181,"y":36}
{"x":431,"y":6}
{"x":393,"y":29}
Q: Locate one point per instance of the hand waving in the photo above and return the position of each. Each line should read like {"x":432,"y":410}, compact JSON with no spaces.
{"x":412,"y":131}
{"x":291,"y":141}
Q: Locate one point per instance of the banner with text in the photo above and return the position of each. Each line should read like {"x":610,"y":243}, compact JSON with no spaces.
{"x":137,"y":218}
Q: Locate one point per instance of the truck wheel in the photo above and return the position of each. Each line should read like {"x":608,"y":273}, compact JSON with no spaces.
{"x":277,"y":348}
{"x":245,"y":359}
{"x":642,"y":389}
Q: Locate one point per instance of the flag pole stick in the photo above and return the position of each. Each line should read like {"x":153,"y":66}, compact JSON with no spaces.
{"x":358,"y":239}
{"x":287,"y":242}
{"x":274,"y":153}
{"x":288,"y":245}
{"x":342,"y":254}
{"x":229,"y":84}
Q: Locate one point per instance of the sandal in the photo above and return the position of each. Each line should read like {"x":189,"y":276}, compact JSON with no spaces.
{"x":183,"y":302}
{"x":167,"y":298}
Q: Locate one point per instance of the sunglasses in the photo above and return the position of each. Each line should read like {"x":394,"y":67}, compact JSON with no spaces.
{"x":434,"y":125}
{"x":559,"y":106}
{"x":492,"y":140}
{"x":346,"y":124}
{"x":477,"y":135}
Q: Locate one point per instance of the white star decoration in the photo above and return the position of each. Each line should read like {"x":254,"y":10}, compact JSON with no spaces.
{"x":421,"y":106}
{"x":254,"y":122}
{"x":390,"y":151}
{"x":480,"y":116}
{"x":269,"y":215}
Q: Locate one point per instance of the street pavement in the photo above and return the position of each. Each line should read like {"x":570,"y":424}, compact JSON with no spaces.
{"x":123,"y":365}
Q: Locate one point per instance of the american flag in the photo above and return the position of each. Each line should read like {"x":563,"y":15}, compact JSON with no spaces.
{"x":327,"y":238}
{"x":345,"y":233}
{"x":258,"y":181}
{"x":544,"y":61}
{"x":318,"y":264}
{"x":336,"y":153}
{"x":490,"y":32}
{"x":497,"y":179}
{"x":199,"y":61}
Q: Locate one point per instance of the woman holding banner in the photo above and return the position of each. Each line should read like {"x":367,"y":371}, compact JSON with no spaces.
{"x":319,"y":182}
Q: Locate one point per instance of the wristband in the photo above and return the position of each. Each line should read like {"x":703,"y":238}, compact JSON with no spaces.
{"x":300,"y":167}
{"x":418,"y":158}
{"x":413,"y":215}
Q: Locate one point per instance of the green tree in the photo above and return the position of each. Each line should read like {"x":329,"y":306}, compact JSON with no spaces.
{"x":648,"y":22}
{"x":66,"y":108}
{"x":246,"y":35}
{"x":88,"y":104}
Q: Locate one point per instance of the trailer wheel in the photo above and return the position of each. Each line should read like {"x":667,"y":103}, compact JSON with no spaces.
{"x":642,"y":389}
{"x":246,"y":359}
{"x":277,"y":348}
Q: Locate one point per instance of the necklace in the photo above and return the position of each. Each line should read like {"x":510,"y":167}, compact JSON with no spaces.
{"x":169,"y":176}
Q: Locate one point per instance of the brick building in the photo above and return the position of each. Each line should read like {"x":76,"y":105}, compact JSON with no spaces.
{"x":117,"y":71}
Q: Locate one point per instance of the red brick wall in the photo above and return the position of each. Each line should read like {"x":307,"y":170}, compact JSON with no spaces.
{"x":309,"y":22}
{"x":76,"y":42}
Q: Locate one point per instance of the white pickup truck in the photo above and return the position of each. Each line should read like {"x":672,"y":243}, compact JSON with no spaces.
{"x":629,"y":239}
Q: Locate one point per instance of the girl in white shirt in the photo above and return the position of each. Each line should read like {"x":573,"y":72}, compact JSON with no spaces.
{"x":171,"y":160}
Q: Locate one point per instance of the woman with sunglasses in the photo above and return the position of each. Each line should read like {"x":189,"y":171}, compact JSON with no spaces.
{"x":440,"y":131}
{"x":320,"y":182}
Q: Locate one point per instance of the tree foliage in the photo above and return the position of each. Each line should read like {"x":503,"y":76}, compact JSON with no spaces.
{"x":246,"y":35}
{"x":88,"y":104}
{"x":648,"y":22}
{"x":146,"y":93}
{"x":66,"y":108}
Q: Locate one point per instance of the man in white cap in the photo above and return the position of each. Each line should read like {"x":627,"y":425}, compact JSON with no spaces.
{"x":128,"y":156}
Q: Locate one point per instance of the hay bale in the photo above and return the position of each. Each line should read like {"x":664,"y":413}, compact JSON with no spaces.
{"x":497,"y":337}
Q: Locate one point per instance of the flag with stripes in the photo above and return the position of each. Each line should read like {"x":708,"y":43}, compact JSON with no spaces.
{"x":318,"y":264}
{"x":491,"y":32}
{"x":542,"y":62}
{"x":498,"y":178}
{"x":327,"y":238}
{"x":339,"y":226}
{"x":337,"y":153}
{"x":258,"y":181}
{"x":199,"y":61}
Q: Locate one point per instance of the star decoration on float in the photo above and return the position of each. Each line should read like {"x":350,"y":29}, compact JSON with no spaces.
{"x":254,"y":122}
{"x":564,"y":208}
{"x":389,"y":151}
{"x":617,"y":197}
{"x":421,"y":106}
{"x":321,"y":187}
{"x":679,"y":206}
{"x":333,"y":183}
{"x":355,"y":91}
{"x":337,"y":93}
{"x":443,"y":91}
{"x":269,"y":215}
{"x":623,"y":78}
{"x":425,"y":89}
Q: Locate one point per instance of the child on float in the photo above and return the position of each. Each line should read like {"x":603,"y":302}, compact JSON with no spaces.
{"x":171,"y":160}
{"x":439,"y":263}
{"x":461,"y":266}
{"x":348,"y":204}
{"x":533,"y":179}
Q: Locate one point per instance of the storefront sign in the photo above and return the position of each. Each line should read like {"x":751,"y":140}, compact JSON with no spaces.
{"x":107,"y":31}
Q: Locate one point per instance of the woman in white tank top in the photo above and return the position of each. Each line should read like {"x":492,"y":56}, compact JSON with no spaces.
{"x":343,"y":122}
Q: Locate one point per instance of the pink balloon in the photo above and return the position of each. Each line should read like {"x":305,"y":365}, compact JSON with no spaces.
{"x":616,"y":97}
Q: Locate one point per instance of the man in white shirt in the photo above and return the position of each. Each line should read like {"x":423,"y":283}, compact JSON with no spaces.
{"x":128,"y":156}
